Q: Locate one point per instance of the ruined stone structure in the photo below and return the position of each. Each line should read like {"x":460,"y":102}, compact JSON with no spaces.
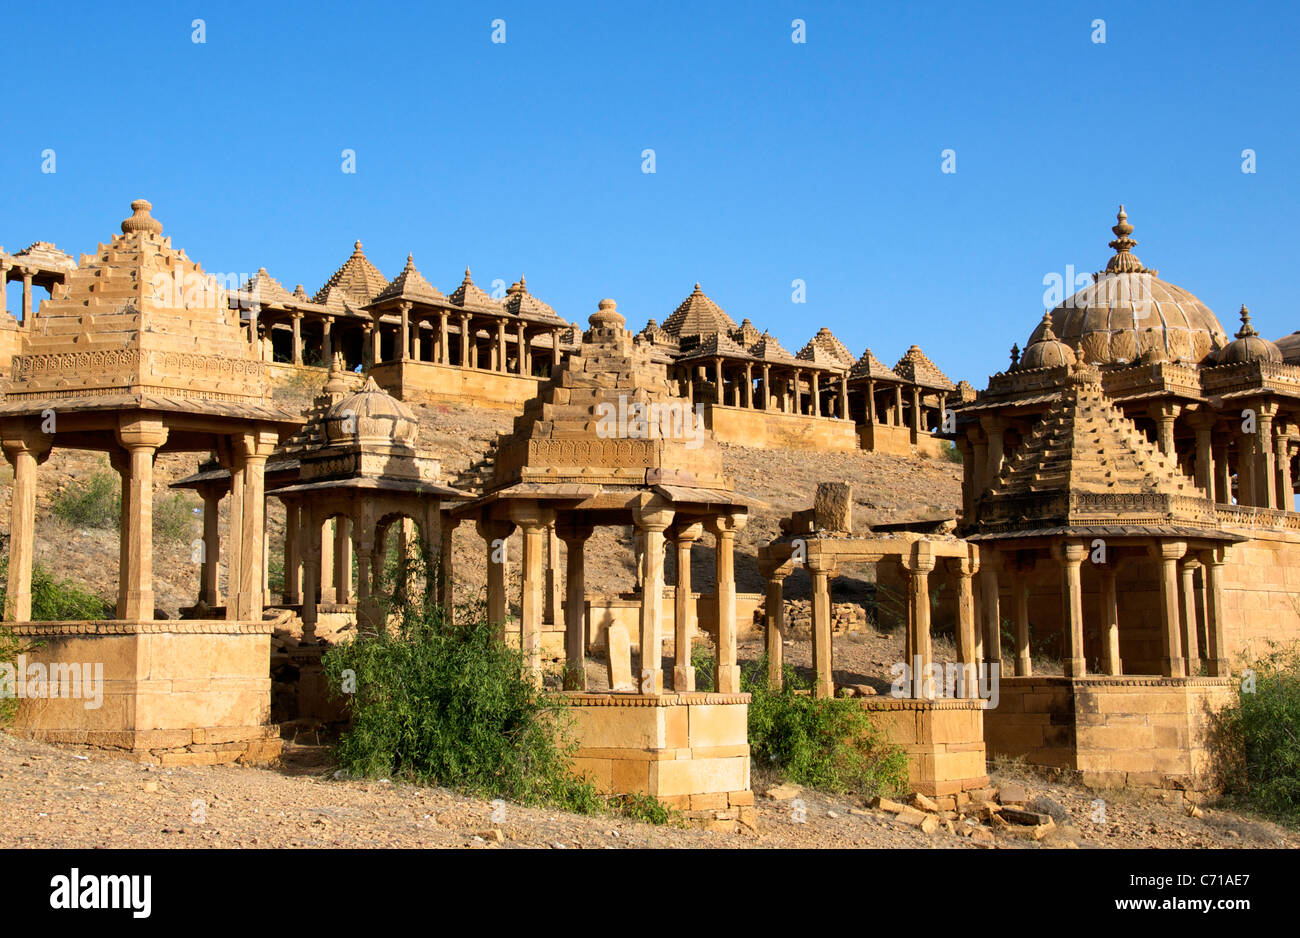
{"x":608,"y":442}
{"x":117,"y":364}
{"x":941,"y":728}
{"x":1130,"y":483}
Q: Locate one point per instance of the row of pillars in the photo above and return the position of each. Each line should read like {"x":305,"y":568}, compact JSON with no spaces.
{"x":654,"y":529}
{"x":918,"y":647}
{"x":245,"y":454}
{"x":1191,"y":592}
{"x":411,"y":342}
{"x":26,"y":273}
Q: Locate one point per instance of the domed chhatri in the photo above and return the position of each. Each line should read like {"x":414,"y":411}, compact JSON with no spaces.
{"x":1047,"y":351}
{"x":371,"y":416}
{"x":1249,"y":345}
{"x":1128,"y":311}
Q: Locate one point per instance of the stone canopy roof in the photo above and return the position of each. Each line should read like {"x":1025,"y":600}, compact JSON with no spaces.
{"x":469,"y":296}
{"x":1086,"y":464}
{"x":139,"y":325}
{"x":833,"y":349}
{"x":610,"y":418}
{"x":519,"y":302}
{"x":717,"y":345}
{"x":869,"y":366}
{"x":358,"y":281}
{"x":698,"y":315}
{"x":916,"y":367}
{"x":411,"y":285}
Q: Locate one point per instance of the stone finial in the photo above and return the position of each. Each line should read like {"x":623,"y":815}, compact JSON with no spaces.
{"x":1048,"y":335}
{"x":607,"y":316}
{"x":1246,"y":328}
{"x":1015,"y":355}
{"x":1124,"y":261}
{"x":141,"y":220}
{"x":356,"y":248}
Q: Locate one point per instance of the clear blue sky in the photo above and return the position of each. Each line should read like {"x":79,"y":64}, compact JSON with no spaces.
{"x":775,"y":160}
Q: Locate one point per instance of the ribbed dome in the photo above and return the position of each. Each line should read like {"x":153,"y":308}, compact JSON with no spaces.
{"x":1249,"y":345}
{"x":1128,"y":312}
{"x":1047,"y":351}
{"x":1289,"y":346}
{"x":371,"y":415}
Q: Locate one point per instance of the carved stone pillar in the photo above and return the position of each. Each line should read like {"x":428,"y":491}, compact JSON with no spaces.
{"x":495,"y":534}
{"x":822,"y":652}
{"x":575,"y":604}
{"x":1072,"y":555}
{"x":684,"y":537}
{"x":1216,"y":657}
{"x":724,"y":528}
{"x":533,"y":520}
{"x":920,"y":565}
{"x":1110,"y":620}
{"x":24,"y":453}
{"x":141,"y":439}
{"x":1173,"y":663}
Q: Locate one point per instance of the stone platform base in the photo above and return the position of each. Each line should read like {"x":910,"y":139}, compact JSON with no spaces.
{"x":772,"y":429}
{"x":944,"y":740}
{"x":690,"y":751}
{"x":249,"y":745}
{"x":175,"y":692}
{"x":1116,"y":732}
{"x":424,"y":382}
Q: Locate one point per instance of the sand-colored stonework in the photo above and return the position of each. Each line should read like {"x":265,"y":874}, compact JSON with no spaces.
{"x":137,"y":353}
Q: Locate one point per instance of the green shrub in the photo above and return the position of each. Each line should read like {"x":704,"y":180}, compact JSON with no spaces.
{"x":829,"y":744}
{"x":449,"y":706}
{"x":953,"y":453}
{"x":11,"y":646}
{"x":1258,"y":739}
{"x":95,"y":502}
{"x":55,"y":600}
{"x":174,"y":518}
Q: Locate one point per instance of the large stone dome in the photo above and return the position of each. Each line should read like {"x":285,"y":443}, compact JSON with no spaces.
{"x":371,"y":415}
{"x":1128,"y":313}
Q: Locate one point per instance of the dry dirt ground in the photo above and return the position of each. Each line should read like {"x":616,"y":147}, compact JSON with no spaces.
{"x":63,"y":797}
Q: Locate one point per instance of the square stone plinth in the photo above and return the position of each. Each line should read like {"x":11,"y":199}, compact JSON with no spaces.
{"x":189,"y":692}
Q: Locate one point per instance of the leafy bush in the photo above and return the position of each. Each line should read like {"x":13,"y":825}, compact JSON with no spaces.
{"x":95,"y":502}
{"x":448,"y":705}
{"x":174,"y":518}
{"x":1258,"y":739}
{"x":829,"y":744}
{"x":55,"y":600}
{"x":825,"y":743}
{"x":953,"y":453}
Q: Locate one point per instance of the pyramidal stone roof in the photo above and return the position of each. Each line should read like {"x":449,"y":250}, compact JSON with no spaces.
{"x":698,"y":315}
{"x":717,"y":345}
{"x":746,"y":333}
{"x":519,"y":302}
{"x":410,"y":285}
{"x":1086,"y":464}
{"x":769,"y":349}
{"x":45,"y":254}
{"x":140,"y":324}
{"x":835,"y":350}
{"x":469,"y":296}
{"x":264,"y":290}
{"x":358,"y":281}
{"x":610,"y":417}
{"x":869,"y":366}
{"x":914,"y":366}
